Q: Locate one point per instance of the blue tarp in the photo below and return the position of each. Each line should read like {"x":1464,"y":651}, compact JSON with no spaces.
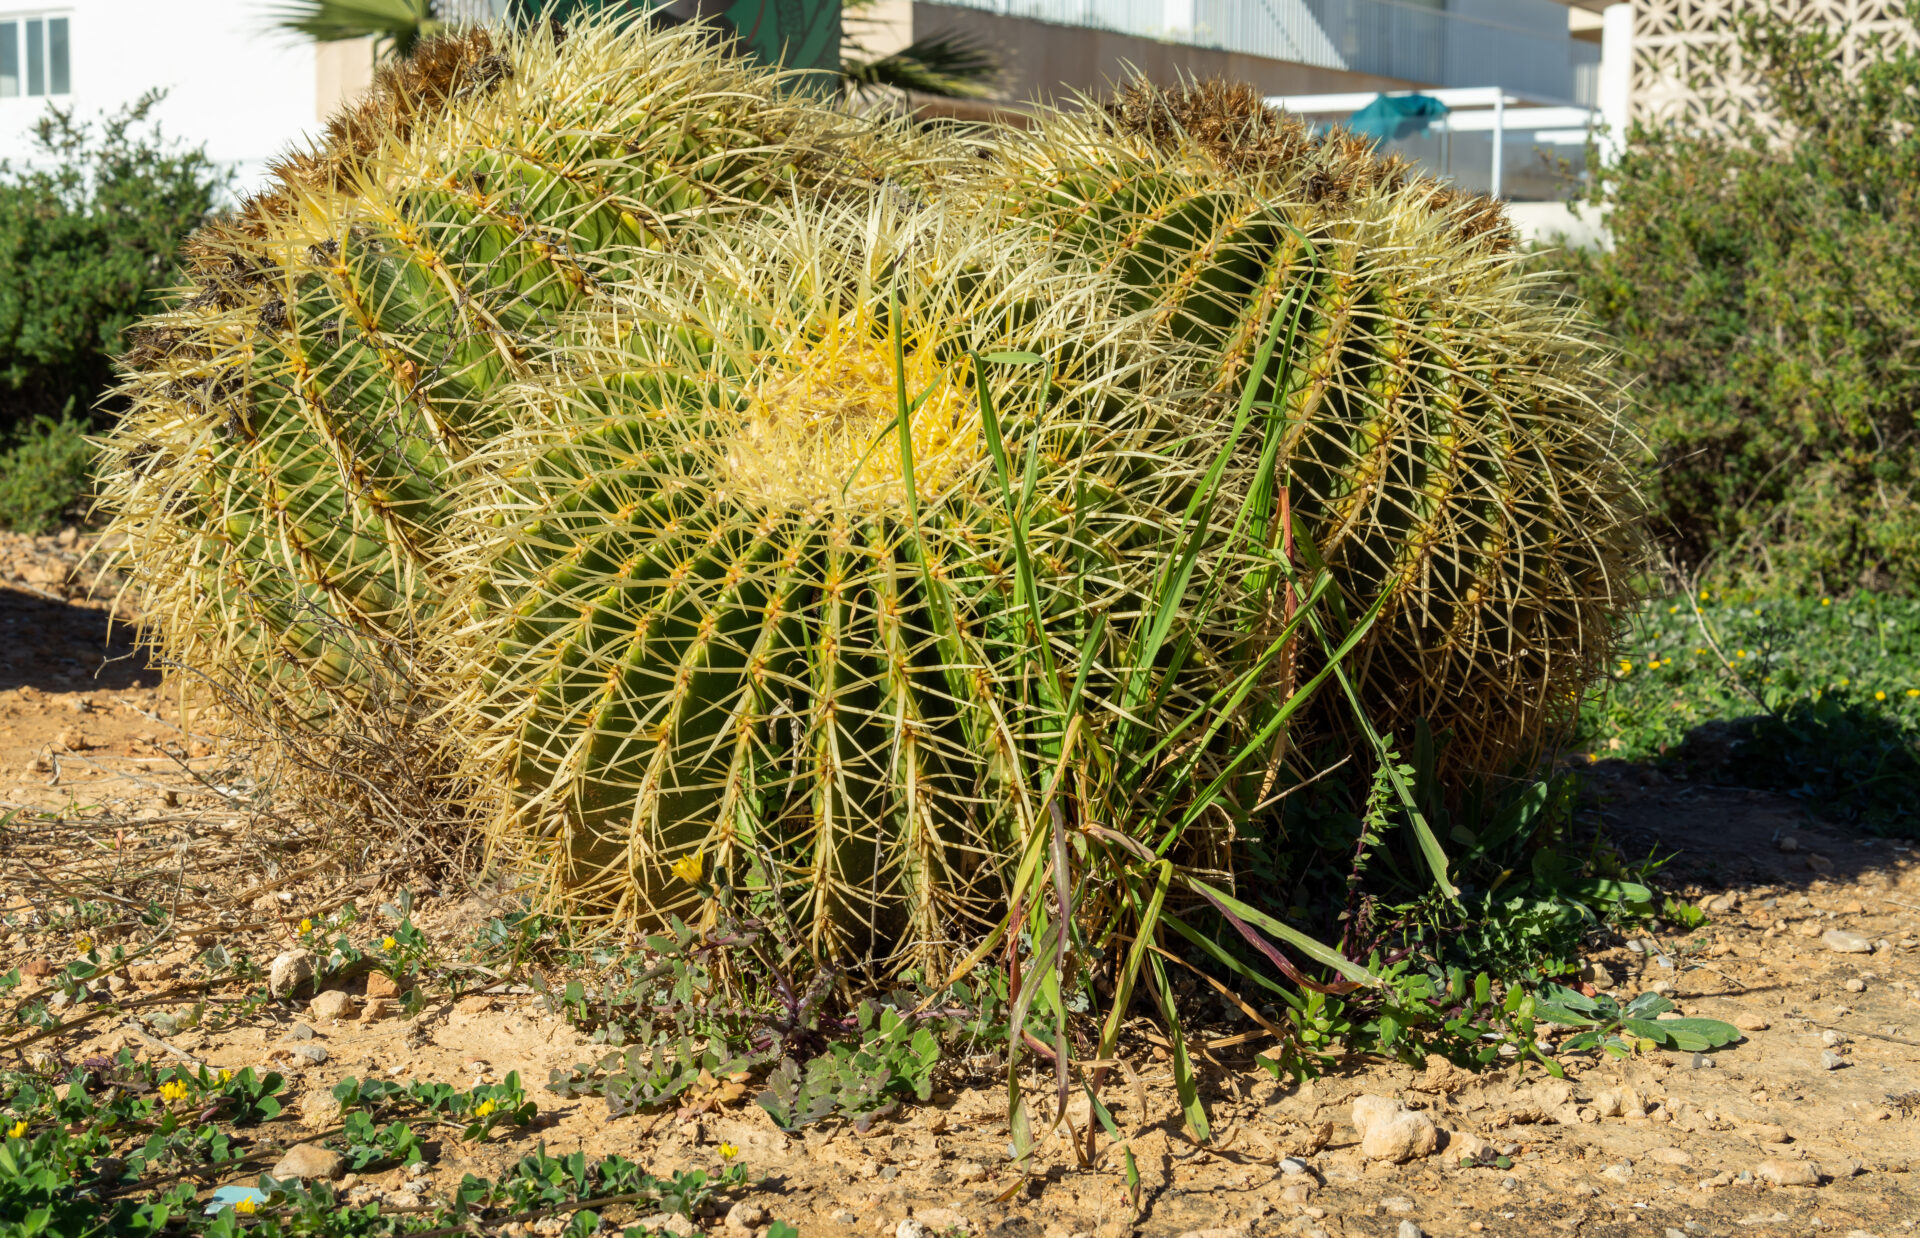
{"x":1393,"y":117}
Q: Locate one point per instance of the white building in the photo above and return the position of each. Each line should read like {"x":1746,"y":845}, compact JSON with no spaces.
{"x":245,"y":90}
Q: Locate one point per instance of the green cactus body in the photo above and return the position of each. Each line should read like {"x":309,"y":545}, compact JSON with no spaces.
{"x":298,"y":420}
{"x":721,"y":630}
{"x":1451,"y":435}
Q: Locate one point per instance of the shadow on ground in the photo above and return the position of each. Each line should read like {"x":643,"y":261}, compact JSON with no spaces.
{"x":58,"y":646}
{"x":1761,"y":802}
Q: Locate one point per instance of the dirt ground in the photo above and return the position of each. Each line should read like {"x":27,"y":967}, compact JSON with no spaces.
{"x":1823,"y":1090}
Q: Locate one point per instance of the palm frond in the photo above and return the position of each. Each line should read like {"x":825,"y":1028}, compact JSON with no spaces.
{"x":949,"y":65}
{"x":393,"y":24}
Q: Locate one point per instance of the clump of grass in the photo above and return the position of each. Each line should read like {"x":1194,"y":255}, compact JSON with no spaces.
{"x":1824,"y":691}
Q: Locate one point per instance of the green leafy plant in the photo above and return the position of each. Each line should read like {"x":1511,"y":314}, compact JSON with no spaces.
{"x":1623,"y":1030}
{"x":45,"y":474}
{"x":893,"y":1059}
{"x":90,"y":226}
{"x":1760,"y":283}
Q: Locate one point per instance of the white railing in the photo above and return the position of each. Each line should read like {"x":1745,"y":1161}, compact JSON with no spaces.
{"x":1390,"y":38}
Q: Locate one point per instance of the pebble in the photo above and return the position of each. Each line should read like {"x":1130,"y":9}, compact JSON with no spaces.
{"x":1769,"y":1132}
{"x":1389,"y":1131}
{"x":289,"y":971}
{"x":379,"y":984}
{"x":1292,"y":1165}
{"x":1218,"y":1231}
{"x":1833,"y":1038}
{"x":969,"y":1171}
{"x":1669,"y":1156}
{"x":300,"y":1031}
{"x":329,"y":1006}
{"x":1845,"y":941}
{"x":908,"y":1228}
{"x":310,"y":1160}
{"x":1409,"y":1230}
{"x":1399,"y":1205}
{"x":312,"y":1054}
{"x":1832,"y":1061}
{"x":1856,"y":985}
{"x":1751,"y":1022}
{"x":1787,"y":1173}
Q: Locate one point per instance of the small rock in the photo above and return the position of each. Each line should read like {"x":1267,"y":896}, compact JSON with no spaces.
{"x":1391,"y":1132}
{"x":1833,"y":1038}
{"x":1218,"y":1231}
{"x":1769,"y":1132}
{"x":845,"y":1218}
{"x":1832,"y":1061}
{"x":911,"y":1228}
{"x":1597,"y":975}
{"x":1700,"y":1061}
{"x":1846,"y":941}
{"x":474,"y":1003}
{"x":1399,"y":1205}
{"x":969,"y":1171}
{"x":150,"y":973}
{"x":310,"y":1160}
{"x":1856,"y":985}
{"x":1409,"y":1230}
{"x":1787,"y":1173}
{"x":379,"y":984}
{"x":289,"y":971}
{"x":1463,"y":1145}
{"x":1788,"y":843}
{"x":1510,"y":1183}
{"x":1749,"y":1022}
{"x":1291,"y":1166}
{"x":376,"y":1008}
{"x":1297,"y":1192}
{"x":37,"y":969}
{"x":330,"y":1005}
{"x":319,"y":1109}
{"x":1622,"y":1172}
{"x":666,"y":1222}
{"x":943,"y":1220}
{"x":300,"y":1031}
{"x":313,"y":1055}
{"x":1669,"y":1156}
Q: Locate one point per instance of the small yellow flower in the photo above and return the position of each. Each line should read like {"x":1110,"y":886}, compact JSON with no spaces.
{"x":1739,"y":653}
{"x":688,"y":868}
{"x":245,"y":1206}
{"x":176,"y":1090}
{"x":17,"y":1130}
{"x":1913,"y":691}
{"x":1879,"y":696}
{"x":82,"y":943}
{"x":306,"y":926}
{"x":1826,"y":601}
{"x":1705,"y":596}
{"x":1673,"y":610}
{"x":482,"y":1109}
{"x":1844,"y":682}
{"x":224,"y":1075}
{"x":728,"y":1152}
{"x":388,"y":943}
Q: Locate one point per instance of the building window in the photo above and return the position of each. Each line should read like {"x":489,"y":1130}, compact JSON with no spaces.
{"x":34,"y":57}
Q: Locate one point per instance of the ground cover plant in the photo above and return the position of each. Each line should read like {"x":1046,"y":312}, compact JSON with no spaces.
{"x":1826,"y":690}
{"x":1760,"y":285}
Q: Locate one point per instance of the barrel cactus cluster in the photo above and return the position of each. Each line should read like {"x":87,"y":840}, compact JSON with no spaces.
{"x":733,"y":484}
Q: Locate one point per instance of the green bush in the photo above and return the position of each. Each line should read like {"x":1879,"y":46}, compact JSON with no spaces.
{"x":1765,"y":285}
{"x":45,"y":470}
{"x":89,"y":230}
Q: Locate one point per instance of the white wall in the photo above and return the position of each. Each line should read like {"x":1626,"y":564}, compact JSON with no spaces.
{"x":248,"y":93}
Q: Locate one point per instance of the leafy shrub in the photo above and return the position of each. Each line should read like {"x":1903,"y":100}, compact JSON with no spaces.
{"x":1763,"y":285}
{"x":89,"y":230}
{"x":44,"y":474}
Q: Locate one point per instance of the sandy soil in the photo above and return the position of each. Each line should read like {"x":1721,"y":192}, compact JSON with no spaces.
{"x":1825,"y":1086}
